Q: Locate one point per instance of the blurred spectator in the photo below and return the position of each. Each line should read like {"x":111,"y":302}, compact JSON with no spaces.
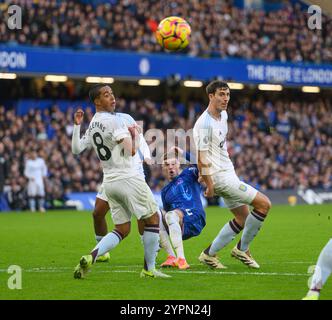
{"x":36,"y":171}
{"x":219,"y":29}
{"x":4,"y":167}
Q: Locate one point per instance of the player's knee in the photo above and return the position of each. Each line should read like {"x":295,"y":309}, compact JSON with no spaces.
{"x":124,"y":230}
{"x":154,"y":219}
{"x":171,"y":217}
{"x":264,"y":205}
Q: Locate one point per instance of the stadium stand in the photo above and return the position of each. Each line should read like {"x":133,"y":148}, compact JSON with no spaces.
{"x":220,"y":29}
{"x":281,"y":144}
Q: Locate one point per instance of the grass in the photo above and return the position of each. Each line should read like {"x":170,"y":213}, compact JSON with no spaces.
{"x":48,"y":246}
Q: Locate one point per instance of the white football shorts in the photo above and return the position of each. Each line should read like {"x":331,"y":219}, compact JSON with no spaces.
{"x":235,"y":193}
{"x":36,"y":189}
{"x":128,"y":197}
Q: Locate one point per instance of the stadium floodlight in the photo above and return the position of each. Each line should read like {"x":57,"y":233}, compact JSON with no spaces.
{"x":192,"y":83}
{"x":9,"y":76}
{"x":149,"y":82}
{"x":270,"y":87}
{"x":99,"y":80}
{"x":55,"y":78}
{"x":235,"y":85}
{"x":310,"y":89}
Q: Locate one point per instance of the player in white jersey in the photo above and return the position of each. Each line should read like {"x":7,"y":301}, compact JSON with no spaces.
{"x":101,"y":204}
{"x":323,"y":270}
{"x":35,"y":170}
{"x":126,"y":191}
{"x":218,"y":173}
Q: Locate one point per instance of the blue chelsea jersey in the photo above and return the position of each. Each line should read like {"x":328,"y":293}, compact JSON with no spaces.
{"x":184,"y":192}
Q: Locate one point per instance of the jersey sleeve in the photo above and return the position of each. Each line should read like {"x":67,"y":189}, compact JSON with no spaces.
{"x":201,"y":137}
{"x":78,"y":145}
{"x":144,"y":148}
{"x":128,"y":119}
{"x":120,"y":130}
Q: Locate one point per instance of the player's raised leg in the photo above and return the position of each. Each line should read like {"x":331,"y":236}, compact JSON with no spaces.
{"x":107,"y":243}
{"x":174,"y":220}
{"x":261,"y":206}
{"x":323,"y":270}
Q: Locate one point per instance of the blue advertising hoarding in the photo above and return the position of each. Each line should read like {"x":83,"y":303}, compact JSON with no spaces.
{"x":31,"y":60}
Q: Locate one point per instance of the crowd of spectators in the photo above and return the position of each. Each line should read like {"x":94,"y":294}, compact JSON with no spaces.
{"x":273,"y":144}
{"x":219,"y":29}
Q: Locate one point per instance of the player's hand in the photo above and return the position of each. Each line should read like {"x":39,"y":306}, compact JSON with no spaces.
{"x":176,"y":150}
{"x":134,"y":130}
{"x":209,"y":192}
{"x":78,"y":116}
{"x":149,"y":161}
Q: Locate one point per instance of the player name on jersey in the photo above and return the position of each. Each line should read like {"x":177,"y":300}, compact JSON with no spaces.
{"x":97,"y":124}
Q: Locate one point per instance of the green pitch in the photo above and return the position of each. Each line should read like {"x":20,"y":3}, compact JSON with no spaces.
{"x":48,"y":246}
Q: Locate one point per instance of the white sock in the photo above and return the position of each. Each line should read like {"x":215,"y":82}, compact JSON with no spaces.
{"x":323,"y":268}
{"x":252,"y":225}
{"x":107,"y":243}
{"x":225,"y":236}
{"x":151,"y":245}
{"x":32,"y":204}
{"x":98,"y":238}
{"x":164,"y":239}
{"x":175,"y":232}
{"x":41,"y":203}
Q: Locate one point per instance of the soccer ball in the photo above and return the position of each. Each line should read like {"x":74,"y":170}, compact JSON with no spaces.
{"x":173,"y":33}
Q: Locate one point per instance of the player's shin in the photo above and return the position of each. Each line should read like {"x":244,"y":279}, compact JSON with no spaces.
{"x":107,"y":243}
{"x":32,"y":204}
{"x":164,"y":239}
{"x":252,"y":225}
{"x":151,"y":245}
{"x":175,"y":233}
{"x":225,"y":236}
{"x":41,"y":203}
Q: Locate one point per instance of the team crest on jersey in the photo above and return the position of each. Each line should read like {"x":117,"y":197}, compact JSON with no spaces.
{"x":243,"y":187}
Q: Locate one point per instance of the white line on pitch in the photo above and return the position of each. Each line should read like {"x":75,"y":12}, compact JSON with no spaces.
{"x":67,"y":269}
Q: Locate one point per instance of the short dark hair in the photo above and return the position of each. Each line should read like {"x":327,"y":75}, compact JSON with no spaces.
{"x":94,"y":92}
{"x":214,"y":85}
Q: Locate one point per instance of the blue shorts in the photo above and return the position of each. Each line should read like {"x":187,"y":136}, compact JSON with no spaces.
{"x":192,"y":225}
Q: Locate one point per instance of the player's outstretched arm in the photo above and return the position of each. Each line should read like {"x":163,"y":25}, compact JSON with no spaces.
{"x":77,"y":144}
{"x":204,"y":168}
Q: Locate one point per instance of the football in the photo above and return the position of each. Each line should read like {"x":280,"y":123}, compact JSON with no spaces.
{"x":173,"y":33}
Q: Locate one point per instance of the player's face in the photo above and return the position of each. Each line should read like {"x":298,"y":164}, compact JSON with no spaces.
{"x":220,"y":99}
{"x":106,"y":99}
{"x":171,"y":168}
